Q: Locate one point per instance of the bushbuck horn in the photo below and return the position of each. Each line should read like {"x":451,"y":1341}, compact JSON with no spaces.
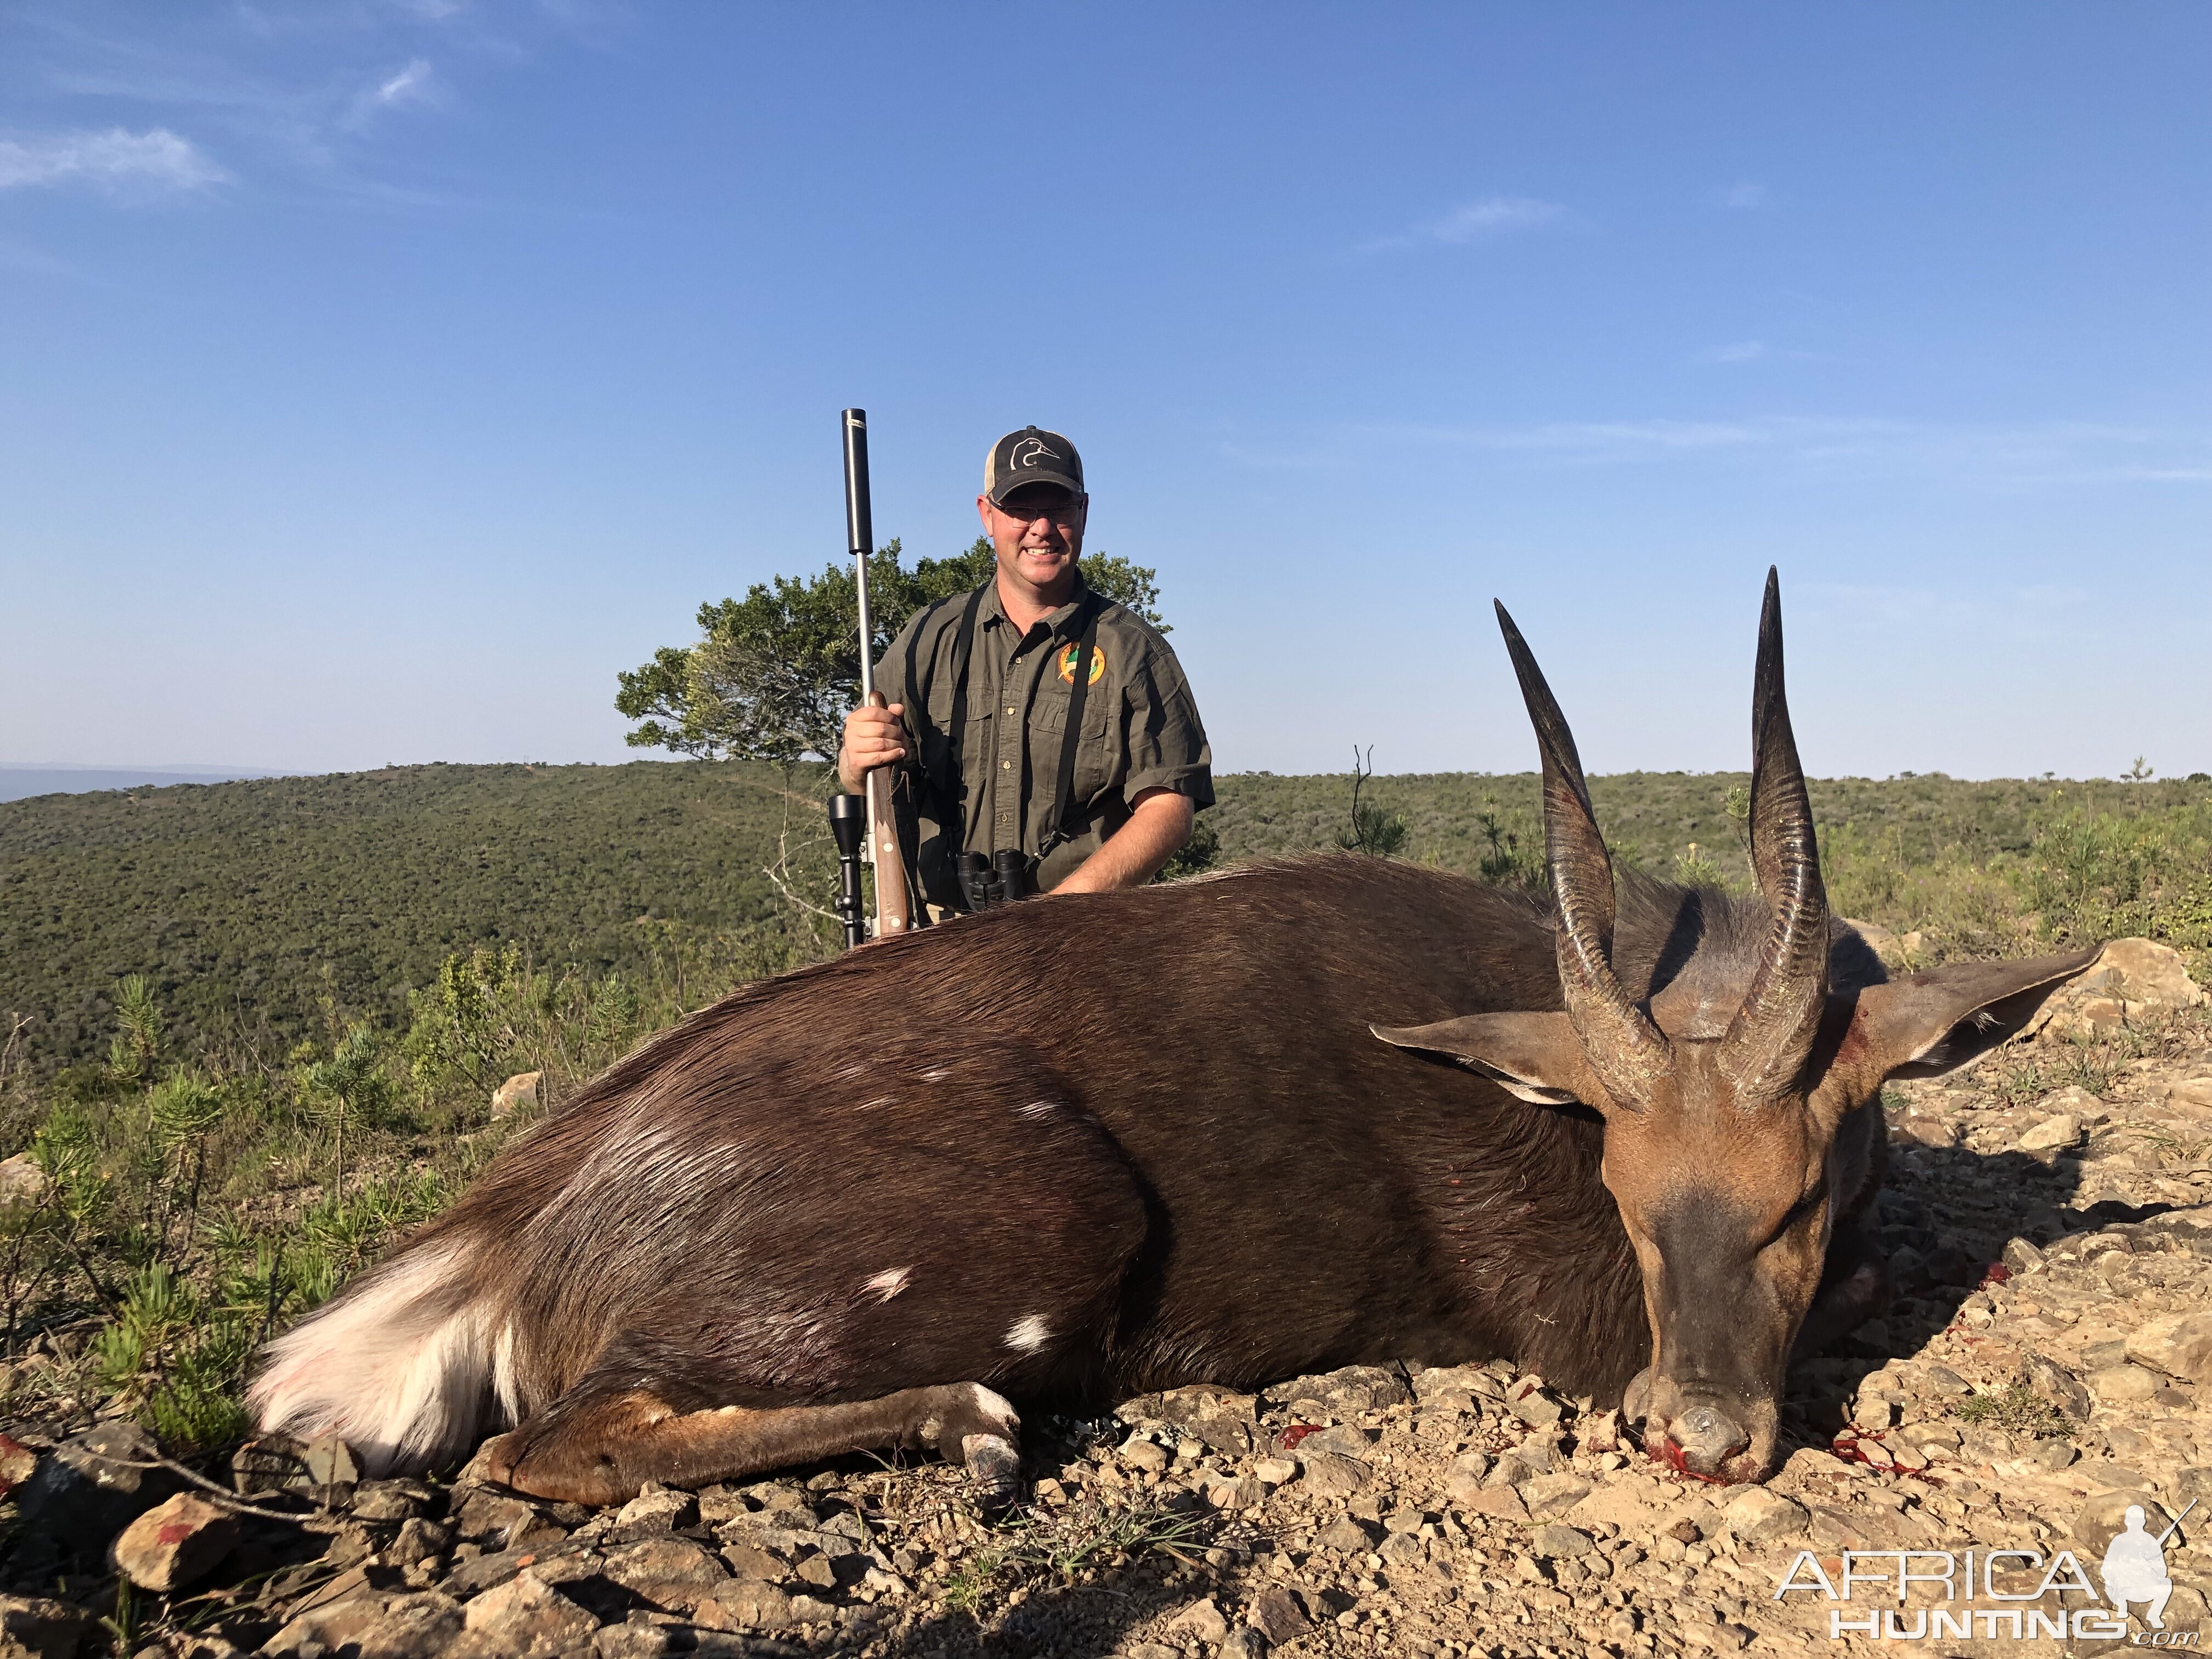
{"x":1771,"y":1036}
{"x":1628,"y":1052}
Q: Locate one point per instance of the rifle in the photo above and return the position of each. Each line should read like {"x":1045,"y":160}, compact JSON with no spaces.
{"x":894,"y":910}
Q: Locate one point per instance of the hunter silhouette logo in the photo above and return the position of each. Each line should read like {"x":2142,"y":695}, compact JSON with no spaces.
{"x":2134,"y":1567}
{"x":1030,"y":452}
{"x":1067,"y":665}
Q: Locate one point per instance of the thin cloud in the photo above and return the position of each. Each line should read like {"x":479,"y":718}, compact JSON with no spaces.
{"x":2057,"y":453}
{"x":1472,"y":221}
{"x":1738,"y":351}
{"x":1744,"y":194}
{"x":418,"y":83}
{"x":411,"y":86}
{"x":113,"y":160}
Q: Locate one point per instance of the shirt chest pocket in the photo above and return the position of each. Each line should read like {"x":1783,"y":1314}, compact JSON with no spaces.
{"x":1094,"y":762}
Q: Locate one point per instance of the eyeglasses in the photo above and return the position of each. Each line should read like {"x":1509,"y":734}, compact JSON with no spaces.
{"x":1063,"y":511}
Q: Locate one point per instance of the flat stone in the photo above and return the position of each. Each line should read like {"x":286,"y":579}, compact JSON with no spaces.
{"x":632,"y":1642}
{"x":504,"y":1522}
{"x":743,"y":1604}
{"x":1329,"y":1475}
{"x":1149,"y":1456}
{"x":2052,"y":1135}
{"x":333,"y":1625}
{"x":1499,"y":1503}
{"x":1553,"y":1541}
{"x":1241,"y":1493}
{"x":1465,"y":1477}
{"x":518,"y":1090}
{"x":1344,"y":1441}
{"x":2179,"y":1346}
{"x":656,"y":1509}
{"x":1550,"y":1496}
{"x":1536,"y":1408}
{"x":531,"y":1615}
{"x":2142,"y":970}
{"x":1276,"y":1471}
{"x":178,"y":1542}
{"x":1758,"y":1516}
{"x":1276,"y":1615}
{"x":670,"y":1573}
{"x":746,"y":1561}
{"x":2123,"y":1385}
{"x":1202,"y":1619}
{"x":1625,"y":1505}
{"x":1344,"y":1533}
{"x":21,"y":1179}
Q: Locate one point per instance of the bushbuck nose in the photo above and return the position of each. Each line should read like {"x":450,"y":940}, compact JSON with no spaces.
{"x":1708,"y":1437}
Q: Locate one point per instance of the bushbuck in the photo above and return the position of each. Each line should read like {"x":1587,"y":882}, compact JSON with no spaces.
{"x":1072,"y":1150}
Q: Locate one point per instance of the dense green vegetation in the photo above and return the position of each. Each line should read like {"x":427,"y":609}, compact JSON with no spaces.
{"x":248,"y":905}
{"x":248,"y":1030}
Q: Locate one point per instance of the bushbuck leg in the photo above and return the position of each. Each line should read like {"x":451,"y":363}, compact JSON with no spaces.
{"x":1853,"y":1289}
{"x":599,"y":1445}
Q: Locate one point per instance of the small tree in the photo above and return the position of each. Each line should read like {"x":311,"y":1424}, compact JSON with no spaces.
{"x":137,"y":1046}
{"x":773,"y":675}
{"x":350,"y":1085}
{"x":1373,"y":831}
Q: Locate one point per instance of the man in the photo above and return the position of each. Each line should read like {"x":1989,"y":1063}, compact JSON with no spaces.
{"x":980,"y":688}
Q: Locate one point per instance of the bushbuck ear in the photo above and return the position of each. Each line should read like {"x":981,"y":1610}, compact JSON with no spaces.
{"x":1929,"y":1023}
{"x":1535,"y":1056}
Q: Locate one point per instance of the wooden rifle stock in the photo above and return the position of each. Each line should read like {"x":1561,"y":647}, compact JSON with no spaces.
{"x":894,"y":908}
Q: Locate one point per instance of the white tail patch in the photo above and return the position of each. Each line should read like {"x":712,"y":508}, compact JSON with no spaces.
{"x":888,"y":1283}
{"x":399,"y":1370}
{"x":1027,"y":1335}
{"x":1038,"y":1109}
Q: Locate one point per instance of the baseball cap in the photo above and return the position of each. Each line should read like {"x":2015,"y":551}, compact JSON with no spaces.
{"x":1031,"y":456}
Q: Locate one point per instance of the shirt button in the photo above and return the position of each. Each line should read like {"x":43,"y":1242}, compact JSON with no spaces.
{"x":1005,"y":766}
{"x":1009,"y":708}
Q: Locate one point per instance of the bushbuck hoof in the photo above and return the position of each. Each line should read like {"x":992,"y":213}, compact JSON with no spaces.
{"x":970,"y":1422}
{"x":994,"y":1463}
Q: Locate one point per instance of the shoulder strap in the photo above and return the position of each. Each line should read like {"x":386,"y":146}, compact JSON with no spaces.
{"x":944,"y":792}
{"x":1064,"y":788}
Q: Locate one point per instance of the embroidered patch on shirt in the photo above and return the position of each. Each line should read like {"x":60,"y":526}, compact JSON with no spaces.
{"x":1067,"y":664}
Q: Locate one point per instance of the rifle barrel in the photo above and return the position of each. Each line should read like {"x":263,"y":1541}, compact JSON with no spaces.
{"x":860,"y":536}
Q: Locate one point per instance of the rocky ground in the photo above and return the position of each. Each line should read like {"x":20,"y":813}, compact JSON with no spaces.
{"x":2050,"y":1217}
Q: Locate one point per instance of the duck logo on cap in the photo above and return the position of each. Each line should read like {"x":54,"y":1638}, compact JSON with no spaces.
{"x":1029,"y":452}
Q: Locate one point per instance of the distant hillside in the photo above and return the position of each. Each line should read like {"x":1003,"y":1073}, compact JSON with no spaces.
{"x":19,"y":782}
{"x":237,"y":899}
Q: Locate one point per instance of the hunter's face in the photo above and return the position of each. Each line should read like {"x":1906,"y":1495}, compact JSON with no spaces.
{"x":1037,"y":532}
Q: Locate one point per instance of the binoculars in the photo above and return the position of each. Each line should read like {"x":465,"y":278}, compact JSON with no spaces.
{"x":1000,"y":878}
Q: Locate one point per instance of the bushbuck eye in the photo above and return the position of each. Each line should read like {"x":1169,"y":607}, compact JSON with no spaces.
{"x":1803,"y":1207}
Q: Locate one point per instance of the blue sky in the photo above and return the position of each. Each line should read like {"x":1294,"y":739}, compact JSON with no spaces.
{"x":377,"y":378}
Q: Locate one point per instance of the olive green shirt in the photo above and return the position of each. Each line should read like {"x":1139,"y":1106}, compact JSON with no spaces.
{"x":1140,"y":730}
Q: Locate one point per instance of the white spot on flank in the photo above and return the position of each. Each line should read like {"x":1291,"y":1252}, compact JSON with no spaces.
{"x":1037,"y":1109}
{"x":1027,"y":1335}
{"x":889,"y":1283}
